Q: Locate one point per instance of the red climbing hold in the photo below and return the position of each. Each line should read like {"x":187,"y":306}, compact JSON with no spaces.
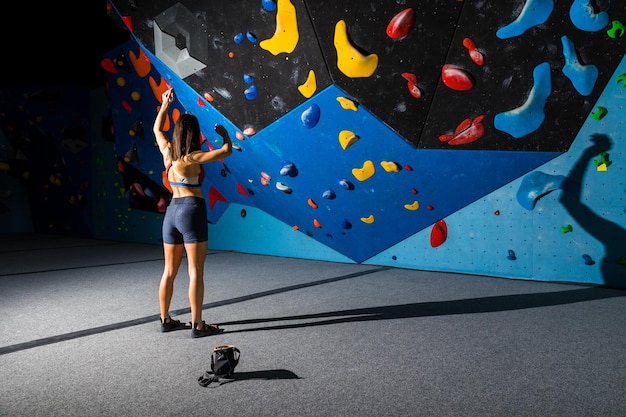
{"x":412,"y":84}
{"x":401,"y":24}
{"x":456,"y":78}
{"x":474,"y":53}
{"x":439,"y":233}
{"x":467,"y":131}
{"x":108,"y":65}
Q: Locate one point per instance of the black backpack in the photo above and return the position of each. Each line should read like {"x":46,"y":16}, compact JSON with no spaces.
{"x":223,"y":362}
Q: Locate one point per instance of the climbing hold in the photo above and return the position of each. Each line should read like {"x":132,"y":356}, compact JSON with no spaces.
{"x":329,"y":194}
{"x":474,"y":53}
{"x":411,"y":80}
{"x":347,"y":104}
{"x":583,"y":77}
{"x":603,"y":161}
{"x":310,"y":116}
{"x":414,"y":191}
{"x":208,"y":97}
{"x":350,"y":61}
{"x":140,"y":63}
{"x":616,"y":30}
{"x":251,"y":92}
{"x":121,"y":81}
{"x":413,"y":206}
{"x":390,"y":166}
{"x":269,"y":5}
{"x":456,"y":78}
{"x":534,"y":13}
{"x":136,"y":129}
{"x":249,"y":131}
{"x":283,"y":187}
{"x":346,"y":184}
{"x":286,"y":36}
{"x":317,"y":223}
{"x":511,"y":256}
{"x":588,"y":260}
{"x":401,"y":24}
{"x":368,"y":220}
{"x":248,"y":79}
{"x":238,"y":38}
{"x":467,"y":131}
{"x":288,"y":168}
{"x":345,"y":224}
{"x":310,"y":85}
{"x":536,"y":185}
{"x":347,"y":139}
{"x":528,"y":117}
{"x":497,"y":212}
{"x":131,"y":155}
{"x":365,"y":172}
{"x":251,"y":37}
{"x":438,"y":233}
{"x":265,"y":179}
{"x":312,"y":203}
{"x":567,"y":229}
{"x":583,"y":16}
{"x":599,"y":113}
{"x":429,"y":207}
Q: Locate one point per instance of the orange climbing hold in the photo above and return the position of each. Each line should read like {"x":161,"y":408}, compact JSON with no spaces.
{"x":140,"y":63}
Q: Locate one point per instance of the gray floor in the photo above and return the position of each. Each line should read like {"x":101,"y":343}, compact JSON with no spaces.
{"x":79,"y":336}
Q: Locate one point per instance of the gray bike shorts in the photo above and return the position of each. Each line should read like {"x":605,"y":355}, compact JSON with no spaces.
{"x":185,"y":221}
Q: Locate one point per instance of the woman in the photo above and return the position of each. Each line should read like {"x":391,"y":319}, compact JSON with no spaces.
{"x":185,"y":226}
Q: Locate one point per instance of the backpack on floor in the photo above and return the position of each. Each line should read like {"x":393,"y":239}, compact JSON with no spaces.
{"x":224,"y":360}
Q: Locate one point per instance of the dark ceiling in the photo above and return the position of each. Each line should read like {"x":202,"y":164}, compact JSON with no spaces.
{"x":57,"y":43}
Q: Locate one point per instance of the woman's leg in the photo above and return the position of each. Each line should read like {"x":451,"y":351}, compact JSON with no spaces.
{"x":196,"y":255}
{"x":173,"y":257}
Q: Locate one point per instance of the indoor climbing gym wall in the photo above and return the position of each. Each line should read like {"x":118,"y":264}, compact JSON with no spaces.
{"x":452,"y":135}
{"x":45,"y":160}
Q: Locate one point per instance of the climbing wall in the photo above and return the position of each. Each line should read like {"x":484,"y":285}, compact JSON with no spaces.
{"x":360,"y":126}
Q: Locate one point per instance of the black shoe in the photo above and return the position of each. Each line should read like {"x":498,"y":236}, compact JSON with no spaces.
{"x":207,"y":330}
{"x":169,"y":324}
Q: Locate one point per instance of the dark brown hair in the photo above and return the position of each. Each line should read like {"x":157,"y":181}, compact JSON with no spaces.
{"x":186,"y":137}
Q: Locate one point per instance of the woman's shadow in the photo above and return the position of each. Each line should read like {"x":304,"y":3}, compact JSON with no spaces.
{"x":610,"y":234}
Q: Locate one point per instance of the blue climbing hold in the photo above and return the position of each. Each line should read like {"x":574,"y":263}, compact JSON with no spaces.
{"x":310,"y":116}
{"x":536,"y":185}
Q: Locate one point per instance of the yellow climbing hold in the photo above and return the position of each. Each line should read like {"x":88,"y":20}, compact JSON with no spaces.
{"x":308,"y":88}
{"x":347,"y":139}
{"x":349,"y":60}
{"x":390,"y":166}
{"x":346,"y":103}
{"x":601,"y":168}
{"x":365,"y":172}
{"x":413,"y":206}
{"x":368,"y":220}
{"x":286,"y":35}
